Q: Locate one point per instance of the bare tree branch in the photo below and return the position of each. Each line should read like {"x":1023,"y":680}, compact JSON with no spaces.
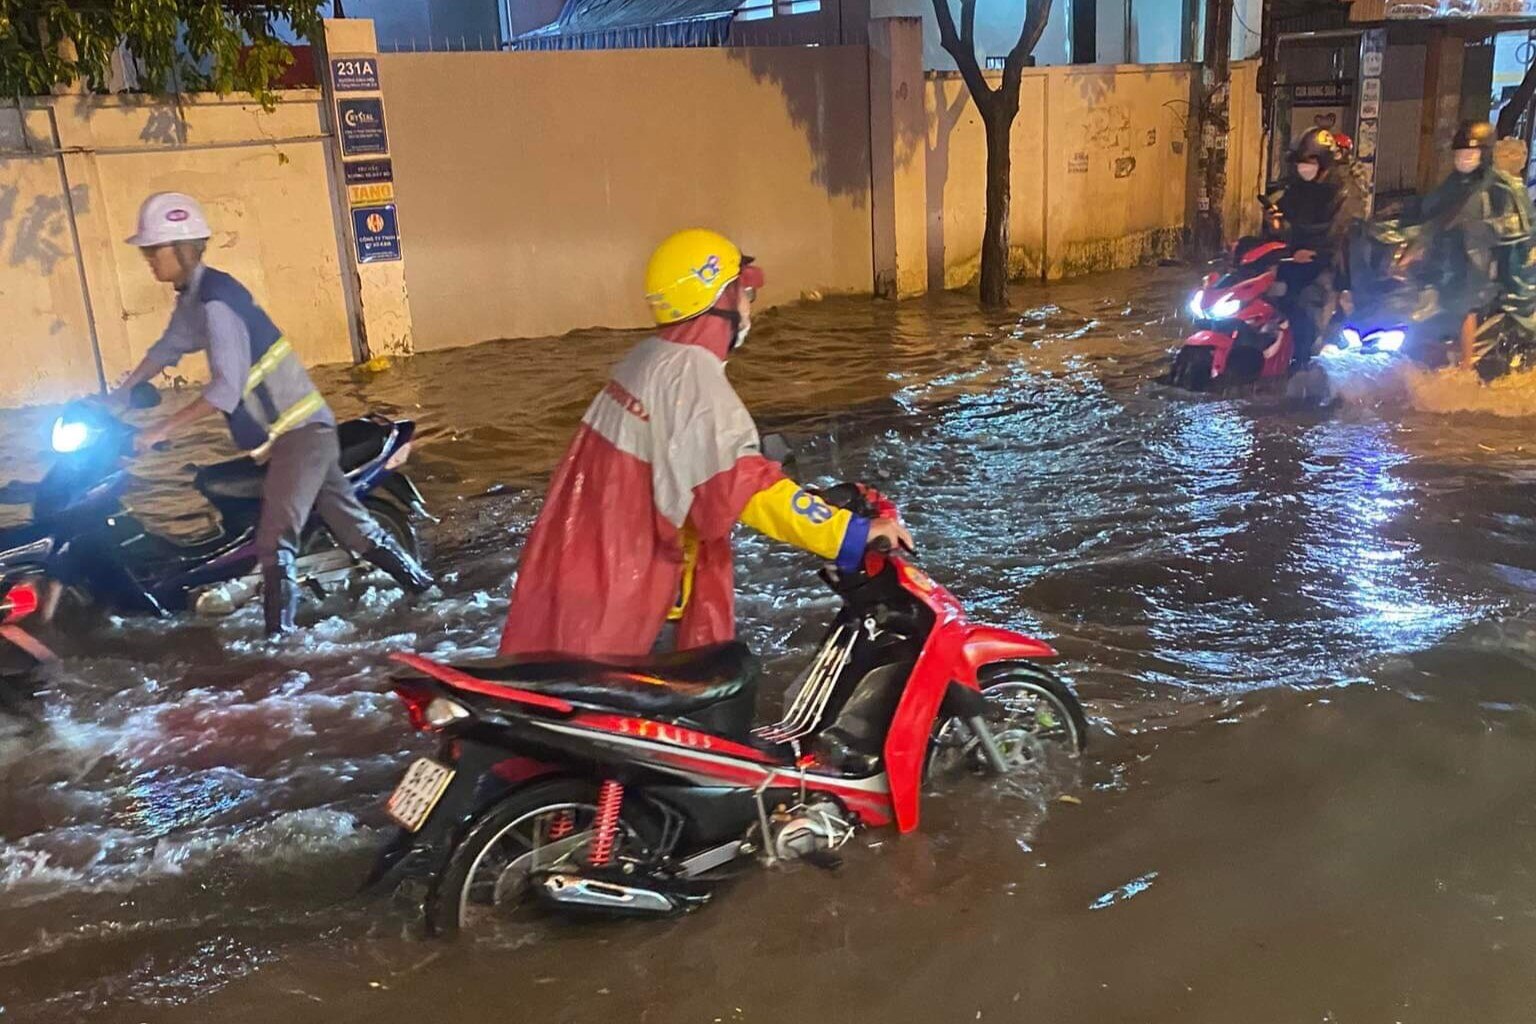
{"x":968,"y":23}
{"x":1036,"y":16}
{"x":964,"y":55}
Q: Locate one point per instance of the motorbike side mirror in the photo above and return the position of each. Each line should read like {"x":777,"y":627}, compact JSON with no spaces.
{"x":144,"y":396}
{"x":776,"y":448}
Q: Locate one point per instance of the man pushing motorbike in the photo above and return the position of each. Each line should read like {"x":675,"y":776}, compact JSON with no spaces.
{"x":272,"y":407}
{"x":635,"y":531}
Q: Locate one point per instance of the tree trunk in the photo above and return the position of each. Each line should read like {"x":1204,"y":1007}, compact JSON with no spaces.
{"x":1215,"y":123}
{"x":994,"y":237}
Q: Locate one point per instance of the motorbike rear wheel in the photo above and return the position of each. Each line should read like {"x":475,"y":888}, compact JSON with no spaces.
{"x":536,"y":828}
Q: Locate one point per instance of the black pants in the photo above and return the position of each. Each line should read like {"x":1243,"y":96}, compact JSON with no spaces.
{"x":1297,"y":278}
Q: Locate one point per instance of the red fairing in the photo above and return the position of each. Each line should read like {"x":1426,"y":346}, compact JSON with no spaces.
{"x":1258,"y":252}
{"x":985,"y":645}
{"x":953,"y":652}
{"x":1220,"y":344}
{"x":942,"y":659}
{"x":464,"y":681}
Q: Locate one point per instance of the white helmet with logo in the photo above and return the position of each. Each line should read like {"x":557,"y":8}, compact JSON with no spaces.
{"x":168,"y":217}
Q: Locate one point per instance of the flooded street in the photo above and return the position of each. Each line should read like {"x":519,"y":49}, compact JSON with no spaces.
{"x":1306,"y":641}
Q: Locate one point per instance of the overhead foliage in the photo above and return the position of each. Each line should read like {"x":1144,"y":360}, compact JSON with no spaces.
{"x":214,"y":45}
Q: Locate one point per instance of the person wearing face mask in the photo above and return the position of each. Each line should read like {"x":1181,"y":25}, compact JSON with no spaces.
{"x":635,"y":531}
{"x":1479,"y":226}
{"x":1313,"y":213}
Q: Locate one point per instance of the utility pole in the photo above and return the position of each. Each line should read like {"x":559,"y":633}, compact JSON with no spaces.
{"x":1215,"y":93}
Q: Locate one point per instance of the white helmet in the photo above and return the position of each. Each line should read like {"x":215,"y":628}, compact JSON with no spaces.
{"x":169,"y":217}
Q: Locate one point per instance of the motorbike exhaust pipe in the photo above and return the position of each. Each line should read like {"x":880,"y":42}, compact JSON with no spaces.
{"x":574,"y":892}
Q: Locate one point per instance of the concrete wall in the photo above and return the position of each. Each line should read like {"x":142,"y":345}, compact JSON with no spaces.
{"x":532,"y":210}
{"x":1100,"y":169}
{"x":73,"y":171}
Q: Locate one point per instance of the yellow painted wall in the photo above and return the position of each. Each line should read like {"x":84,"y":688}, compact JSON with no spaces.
{"x":1117,"y":176}
{"x":533,"y":186}
{"x":957,"y":166}
{"x":262,"y":177}
{"x":1100,"y":169}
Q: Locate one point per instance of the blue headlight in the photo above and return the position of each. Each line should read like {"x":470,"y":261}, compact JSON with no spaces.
{"x":1197,"y":305}
{"x":1388,"y":341}
{"x":69,"y":435}
{"x":1350,"y":337}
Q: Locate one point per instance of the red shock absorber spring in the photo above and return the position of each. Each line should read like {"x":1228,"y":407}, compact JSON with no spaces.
{"x":610,"y":797}
{"x":561,"y":825}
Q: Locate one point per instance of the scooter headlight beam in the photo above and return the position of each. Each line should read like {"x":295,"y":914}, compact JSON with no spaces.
{"x":1197,"y":305}
{"x":69,"y":435}
{"x":1226,"y":307}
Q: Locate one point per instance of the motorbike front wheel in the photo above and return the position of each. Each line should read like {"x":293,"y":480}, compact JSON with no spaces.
{"x":538,"y":828}
{"x":1030,"y":712}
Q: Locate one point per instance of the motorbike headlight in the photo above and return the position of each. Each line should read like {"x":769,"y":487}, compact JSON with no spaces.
{"x":1226,"y":307}
{"x":442,"y":712}
{"x":69,"y":435}
{"x":1197,"y":305}
{"x":1350,"y":337}
{"x":1389,"y":341}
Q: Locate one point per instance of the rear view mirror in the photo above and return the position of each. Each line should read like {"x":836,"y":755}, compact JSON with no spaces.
{"x":143,"y":396}
{"x":777,"y":449}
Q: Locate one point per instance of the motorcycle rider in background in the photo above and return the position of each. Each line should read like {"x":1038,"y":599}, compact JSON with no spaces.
{"x":1313,"y":212}
{"x":1477,"y":234}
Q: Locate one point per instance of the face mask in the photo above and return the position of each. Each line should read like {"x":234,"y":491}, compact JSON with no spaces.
{"x":1468,"y":160}
{"x":1306,"y":171}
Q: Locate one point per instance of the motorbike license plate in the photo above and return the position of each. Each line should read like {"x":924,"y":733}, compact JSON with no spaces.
{"x":412,"y":801}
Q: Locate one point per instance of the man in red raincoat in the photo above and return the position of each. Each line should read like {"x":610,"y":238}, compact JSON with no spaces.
{"x":636,"y":528}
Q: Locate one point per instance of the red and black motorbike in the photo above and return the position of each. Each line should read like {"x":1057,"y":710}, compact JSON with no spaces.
{"x":627,"y":787}
{"x":1240,"y":336}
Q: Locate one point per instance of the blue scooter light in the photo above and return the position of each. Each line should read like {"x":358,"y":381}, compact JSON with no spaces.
{"x":69,"y":435}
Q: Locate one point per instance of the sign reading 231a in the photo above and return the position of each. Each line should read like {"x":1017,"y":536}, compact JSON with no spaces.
{"x":355,"y":74}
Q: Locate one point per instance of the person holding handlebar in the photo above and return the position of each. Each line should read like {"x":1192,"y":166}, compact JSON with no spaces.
{"x":635,"y":532}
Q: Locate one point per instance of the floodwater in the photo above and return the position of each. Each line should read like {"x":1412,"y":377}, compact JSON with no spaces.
{"x":1306,"y":641}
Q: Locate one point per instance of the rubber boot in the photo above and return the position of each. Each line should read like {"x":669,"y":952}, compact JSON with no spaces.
{"x":280,"y":594}
{"x":405,"y":570}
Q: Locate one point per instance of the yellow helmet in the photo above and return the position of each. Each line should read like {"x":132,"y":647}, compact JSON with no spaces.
{"x":688,"y":272}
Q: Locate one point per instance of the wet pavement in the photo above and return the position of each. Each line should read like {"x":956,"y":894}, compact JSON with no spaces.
{"x":1305,"y":639}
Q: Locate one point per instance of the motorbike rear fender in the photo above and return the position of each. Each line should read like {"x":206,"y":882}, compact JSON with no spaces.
{"x":483,"y":775}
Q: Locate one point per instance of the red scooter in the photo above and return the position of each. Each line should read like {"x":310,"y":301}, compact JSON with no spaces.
{"x":627,"y":787}
{"x":1240,"y":335}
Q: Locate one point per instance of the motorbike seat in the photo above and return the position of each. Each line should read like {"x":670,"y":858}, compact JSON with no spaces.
{"x":711,"y":685}
{"x":361,"y":440}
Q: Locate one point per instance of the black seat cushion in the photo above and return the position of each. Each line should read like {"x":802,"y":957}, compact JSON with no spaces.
{"x":362,"y":441}
{"x":240,"y":479}
{"x":679,"y":685}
